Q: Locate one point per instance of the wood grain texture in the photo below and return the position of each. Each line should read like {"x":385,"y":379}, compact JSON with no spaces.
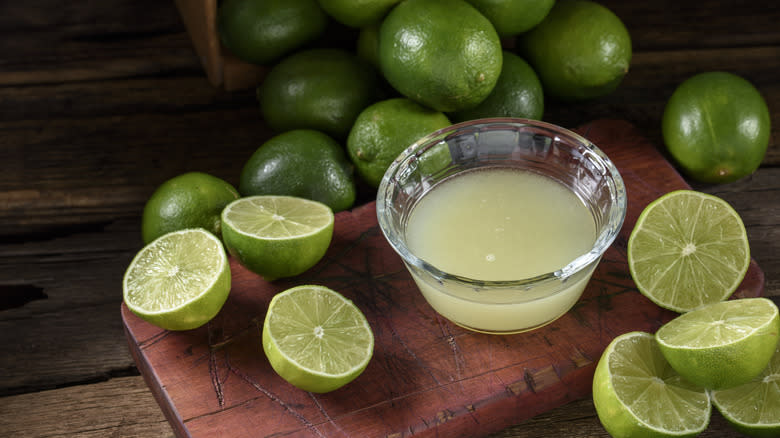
{"x":428,"y":377}
{"x":121,"y":407}
{"x":100,"y":101}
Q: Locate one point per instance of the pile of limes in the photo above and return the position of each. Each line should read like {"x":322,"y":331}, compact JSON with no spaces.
{"x":416,"y":66}
{"x":313,"y":337}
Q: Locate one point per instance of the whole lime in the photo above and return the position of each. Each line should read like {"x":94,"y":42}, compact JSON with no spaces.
{"x":581,"y":50}
{"x":320,"y":89}
{"x":383,"y":130}
{"x":189,"y":200}
{"x":518,"y":93}
{"x":513,"y":17}
{"x":716,"y":127}
{"x":261,"y":31}
{"x":443,"y":54}
{"x":357,"y":13}
{"x":302,"y":163}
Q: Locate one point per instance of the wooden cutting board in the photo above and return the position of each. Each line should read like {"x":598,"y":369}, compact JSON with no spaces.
{"x":428,"y":377}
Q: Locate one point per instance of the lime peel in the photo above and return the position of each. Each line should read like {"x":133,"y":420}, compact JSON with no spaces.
{"x":724,"y":344}
{"x":277,"y":236}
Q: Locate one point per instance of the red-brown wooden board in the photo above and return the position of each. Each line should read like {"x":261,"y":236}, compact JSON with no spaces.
{"x":428,"y":377}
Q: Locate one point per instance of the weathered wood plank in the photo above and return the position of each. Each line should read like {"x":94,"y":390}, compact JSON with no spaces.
{"x":120,"y":407}
{"x":65,"y":327}
{"x":125,"y":407}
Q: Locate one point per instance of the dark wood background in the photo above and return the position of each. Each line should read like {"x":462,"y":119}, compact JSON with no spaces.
{"x":101,"y":101}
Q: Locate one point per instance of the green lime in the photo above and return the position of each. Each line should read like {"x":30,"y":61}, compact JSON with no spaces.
{"x":581,"y":50}
{"x":321,"y":89}
{"x":316,"y":339}
{"x":368,"y":44}
{"x":688,"y":249}
{"x":513,"y":17}
{"x":383,"y":130}
{"x":518,"y":93}
{"x":302,"y":163}
{"x":189,"y":200}
{"x":724,"y":344}
{"x":261,"y":31}
{"x":179,"y":281}
{"x":443,"y":54}
{"x":277,"y":236}
{"x":638,"y":394}
{"x":357,"y":13}
{"x":716,"y":127}
{"x":753,"y":408}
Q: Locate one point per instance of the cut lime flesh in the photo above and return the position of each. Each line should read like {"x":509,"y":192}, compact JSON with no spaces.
{"x":637,"y":393}
{"x":688,"y":249}
{"x":278,"y":217}
{"x":277,"y":236}
{"x":178,"y":281}
{"x":753,"y":408}
{"x":316,"y":339}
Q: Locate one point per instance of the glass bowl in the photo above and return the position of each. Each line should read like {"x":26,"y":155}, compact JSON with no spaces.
{"x":517,"y":301}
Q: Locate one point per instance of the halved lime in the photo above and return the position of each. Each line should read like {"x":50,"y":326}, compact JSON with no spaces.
{"x":753,"y":408}
{"x":316,"y":339}
{"x":688,"y":249}
{"x":179,"y":281}
{"x":637,"y":393}
{"x":723,"y":344}
{"x":277,"y":236}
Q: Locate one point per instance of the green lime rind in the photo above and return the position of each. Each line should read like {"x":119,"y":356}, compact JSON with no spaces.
{"x":517,"y":93}
{"x":277,"y":236}
{"x":384,"y":130}
{"x":357,"y":13}
{"x":512,"y":17}
{"x":303,"y":163}
{"x":323,"y":89}
{"x":753,"y":408}
{"x":722,"y":345}
{"x":443,"y":54}
{"x":189,"y":200}
{"x":260,"y":32}
{"x":716,"y":127}
{"x":638,"y":394}
{"x":581,"y":50}
{"x":316,"y":339}
{"x":179,"y":281}
{"x":688,"y":249}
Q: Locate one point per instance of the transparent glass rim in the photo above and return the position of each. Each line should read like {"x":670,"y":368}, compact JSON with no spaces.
{"x":603,"y":241}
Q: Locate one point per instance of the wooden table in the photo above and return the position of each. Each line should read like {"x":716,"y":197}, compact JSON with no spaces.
{"x":103,"y":101}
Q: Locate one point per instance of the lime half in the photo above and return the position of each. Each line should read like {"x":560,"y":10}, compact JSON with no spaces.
{"x":277,"y":236}
{"x":688,"y":249}
{"x":637,"y":393}
{"x":178,"y":281}
{"x":316,"y":339}
{"x":723,"y":344}
{"x":753,"y":408}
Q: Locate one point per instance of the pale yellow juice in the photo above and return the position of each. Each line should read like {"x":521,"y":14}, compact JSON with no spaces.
{"x":500,"y":224}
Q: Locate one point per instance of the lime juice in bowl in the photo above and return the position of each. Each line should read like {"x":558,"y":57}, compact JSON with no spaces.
{"x":501,"y":222}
